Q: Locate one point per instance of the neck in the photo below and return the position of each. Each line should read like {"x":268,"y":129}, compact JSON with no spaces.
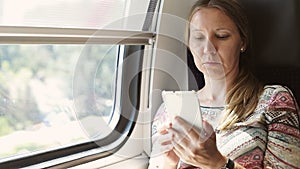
{"x":214,"y":91}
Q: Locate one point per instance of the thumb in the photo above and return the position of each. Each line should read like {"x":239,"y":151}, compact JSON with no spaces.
{"x":208,"y":129}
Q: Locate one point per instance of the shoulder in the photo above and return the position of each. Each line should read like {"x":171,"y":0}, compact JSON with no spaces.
{"x":281,"y":106}
{"x":279,"y":97}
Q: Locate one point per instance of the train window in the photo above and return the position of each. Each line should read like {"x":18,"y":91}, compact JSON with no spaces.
{"x":50,"y":98}
{"x":65,"y":76}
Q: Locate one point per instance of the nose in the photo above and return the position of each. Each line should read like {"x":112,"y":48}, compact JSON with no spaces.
{"x":209,"y":47}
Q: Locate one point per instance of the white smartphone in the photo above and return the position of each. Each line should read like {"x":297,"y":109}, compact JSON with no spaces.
{"x":184,"y":104}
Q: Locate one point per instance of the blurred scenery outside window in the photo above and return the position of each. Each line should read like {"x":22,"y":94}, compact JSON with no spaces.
{"x":37,"y":108}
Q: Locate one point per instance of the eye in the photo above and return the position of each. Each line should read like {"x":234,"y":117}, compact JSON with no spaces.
{"x":222,"y":36}
{"x":198,"y":37}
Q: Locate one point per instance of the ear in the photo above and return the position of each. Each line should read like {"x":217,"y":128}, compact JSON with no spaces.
{"x":243,"y":46}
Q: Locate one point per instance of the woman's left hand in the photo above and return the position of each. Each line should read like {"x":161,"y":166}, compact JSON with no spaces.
{"x":195,"y":147}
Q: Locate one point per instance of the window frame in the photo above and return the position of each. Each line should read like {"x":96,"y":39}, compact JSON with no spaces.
{"x":85,"y":152}
{"x":133,"y":41}
{"x":47,"y":35}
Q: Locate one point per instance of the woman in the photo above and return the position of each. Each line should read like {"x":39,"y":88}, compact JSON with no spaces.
{"x":259,"y":125}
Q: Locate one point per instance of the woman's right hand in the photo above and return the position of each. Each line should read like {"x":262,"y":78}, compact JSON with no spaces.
{"x":163,"y":149}
{"x":167,"y":147}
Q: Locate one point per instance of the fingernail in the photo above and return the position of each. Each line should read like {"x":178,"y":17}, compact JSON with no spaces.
{"x":176,"y":118}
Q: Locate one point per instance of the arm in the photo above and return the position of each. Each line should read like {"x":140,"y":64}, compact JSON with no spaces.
{"x":282,"y":117}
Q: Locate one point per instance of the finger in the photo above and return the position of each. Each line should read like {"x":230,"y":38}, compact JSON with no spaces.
{"x":178,"y":136}
{"x":166,"y":148}
{"x":178,"y":149}
{"x":158,"y":135}
{"x":183,"y":123}
{"x":182,"y":152}
{"x":163,"y":144}
{"x":208,"y":130}
{"x":166,"y":143}
{"x":165,"y":138}
{"x":181,"y":142}
{"x":159,"y":149}
{"x":208,"y":127}
{"x":164,"y":129}
{"x":188,"y":129}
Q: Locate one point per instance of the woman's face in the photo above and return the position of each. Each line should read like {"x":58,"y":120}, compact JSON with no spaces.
{"x":215,"y":43}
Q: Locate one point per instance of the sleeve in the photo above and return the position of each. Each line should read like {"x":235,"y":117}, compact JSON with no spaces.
{"x":282,"y":117}
{"x":160,"y":119}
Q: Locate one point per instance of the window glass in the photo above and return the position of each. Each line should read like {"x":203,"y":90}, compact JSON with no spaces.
{"x":110,"y":14}
{"x":54,"y":95}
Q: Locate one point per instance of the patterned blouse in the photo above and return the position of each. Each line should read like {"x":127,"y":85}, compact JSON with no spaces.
{"x":269,"y":137}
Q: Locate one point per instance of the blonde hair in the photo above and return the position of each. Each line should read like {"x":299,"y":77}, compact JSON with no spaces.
{"x":242,"y":98}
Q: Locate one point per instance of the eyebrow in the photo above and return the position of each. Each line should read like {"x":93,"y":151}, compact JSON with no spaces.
{"x":219,"y":29}
{"x":196,"y":30}
{"x":224,"y":29}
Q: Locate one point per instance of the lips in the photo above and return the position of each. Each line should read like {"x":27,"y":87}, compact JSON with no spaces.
{"x":211,"y":63}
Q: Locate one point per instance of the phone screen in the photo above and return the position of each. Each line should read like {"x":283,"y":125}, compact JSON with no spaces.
{"x":184,"y":104}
